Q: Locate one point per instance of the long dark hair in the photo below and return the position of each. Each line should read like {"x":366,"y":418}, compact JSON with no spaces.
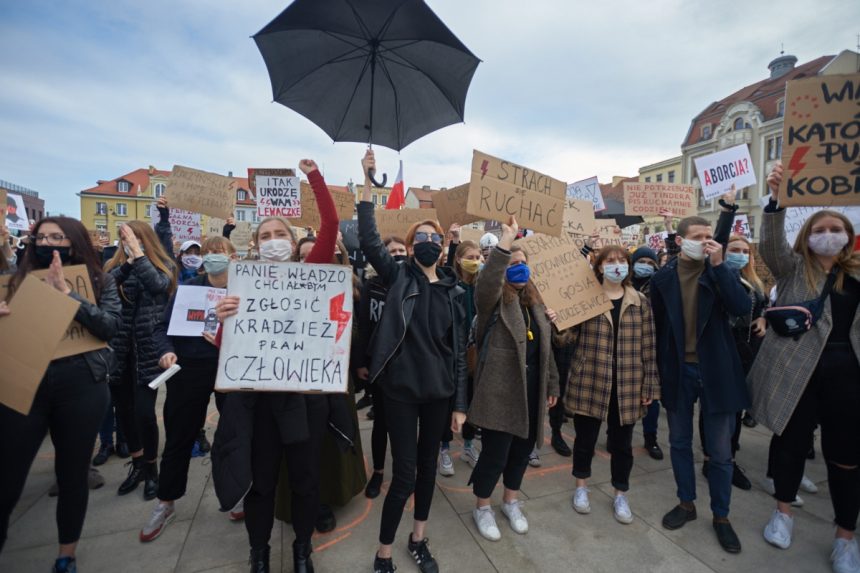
{"x":81,"y":253}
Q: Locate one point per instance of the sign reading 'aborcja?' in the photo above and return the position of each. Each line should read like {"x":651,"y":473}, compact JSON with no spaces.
{"x":293,"y":329}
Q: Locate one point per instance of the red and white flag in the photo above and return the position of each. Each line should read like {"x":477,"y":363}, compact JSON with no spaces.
{"x":397,"y":198}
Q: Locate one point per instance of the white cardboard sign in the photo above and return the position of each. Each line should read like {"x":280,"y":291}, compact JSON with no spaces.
{"x":795,"y":217}
{"x":741,"y":226}
{"x":719,"y":171}
{"x":293,"y":329}
{"x":278,"y":196}
{"x":589,"y":190}
{"x":194,"y":310}
{"x":185,"y":225}
{"x":18,"y":219}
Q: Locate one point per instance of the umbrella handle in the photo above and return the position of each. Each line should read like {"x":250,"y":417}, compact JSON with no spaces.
{"x":371,"y":173}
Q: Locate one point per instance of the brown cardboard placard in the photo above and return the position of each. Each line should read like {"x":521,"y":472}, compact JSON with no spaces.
{"x":820,"y":142}
{"x":499,"y":189}
{"x":215,"y":226}
{"x":648,"y":198}
{"x":242,"y":235}
{"x":578,"y":217}
{"x":396,"y":222}
{"x":565,"y":281}
{"x":201,"y":192}
{"x":471,"y":234}
{"x":450,"y":206}
{"x":344,"y":204}
{"x":77,"y":339}
{"x":29,"y":337}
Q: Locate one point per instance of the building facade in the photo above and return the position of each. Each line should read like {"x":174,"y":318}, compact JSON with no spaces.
{"x":666,"y":171}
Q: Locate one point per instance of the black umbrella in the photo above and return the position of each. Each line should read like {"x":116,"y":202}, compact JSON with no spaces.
{"x":615,"y":210}
{"x":371,"y":71}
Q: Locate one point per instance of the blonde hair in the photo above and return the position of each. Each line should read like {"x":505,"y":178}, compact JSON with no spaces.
{"x":283,"y":221}
{"x":461,"y":251}
{"x":213,"y":244}
{"x":748,"y":272}
{"x":847,"y":260}
{"x":152,"y":249}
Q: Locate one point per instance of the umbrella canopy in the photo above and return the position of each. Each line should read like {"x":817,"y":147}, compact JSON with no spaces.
{"x":372,"y":71}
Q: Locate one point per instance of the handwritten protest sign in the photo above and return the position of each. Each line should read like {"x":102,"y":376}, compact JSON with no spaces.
{"x":344,"y":203}
{"x":185,"y":225}
{"x":648,"y":198}
{"x":451,"y":204}
{"x":578,"y":217}
{"x":587,"y":190}
{"x":16,"y":214}
{"x":741,"y":226}
{"x":657,"y":241}
{"x":194,"y":310}
{"x":821,"y":142}
{"x":277,"y":195}
{"x":471,"y":234}
{"x":631,"y":234}
{"x":565,"y":281}
{"x":499,"y":189}
{"x":397,"y":221}
{"x":201,"y":192}
{"x":215,"y":226}
{"x":77,"y":339}
{"x":719,"y":171}
{"x":241,"y":235}
{"x":610,"y":233}
{"x":293,"y":329}
{"x":29,"y":338}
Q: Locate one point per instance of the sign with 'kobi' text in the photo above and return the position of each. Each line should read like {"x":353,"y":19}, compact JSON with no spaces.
{"x":821,"y":142}
{"x":278,"y":196}
{"x":588,"y":190}
{"x":649,"y":198}
{"x":719,"y":171}
{"x":293,"y":329}
{"x":499,"y":189}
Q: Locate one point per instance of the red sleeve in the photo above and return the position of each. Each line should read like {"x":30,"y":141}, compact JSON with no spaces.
{"x":218,"y":335}
{"x":323,"y":250}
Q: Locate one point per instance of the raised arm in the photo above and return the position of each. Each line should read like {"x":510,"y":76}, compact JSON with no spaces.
{"x":726,"y":218}
{"x":323,"y":249}
{"x":491,"y":280}
{"x":163,"y":228}
{"x":774,"y":248}
{"x":368,"y":235}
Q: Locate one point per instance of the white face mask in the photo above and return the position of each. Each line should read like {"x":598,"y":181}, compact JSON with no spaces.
{"x":693,"y":249}
{"x":827,"y":244}
{"x":276,"y":250}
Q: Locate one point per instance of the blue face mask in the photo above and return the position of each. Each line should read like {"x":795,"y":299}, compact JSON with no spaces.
{"x":215,"y":263}
{"x":737,"y":260}
{"x":518,"y":274}
{"x":643,"y":270}
{"x":615,"y":272}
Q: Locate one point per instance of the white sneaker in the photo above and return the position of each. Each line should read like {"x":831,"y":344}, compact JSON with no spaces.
{"x":534,"y":458}
{"x":161,"y":517}
{"x":622,"y":509}
{"x":778,"y":530}
{"x":808,"y":485}
{"x":446,"y":465}
{"x":470,"y":455}
{"x":769,"y":487}
{"x":845,"y":556}
{"x":485,"y":519}
{"x":580,"y":500}
{"x":514,"y":513}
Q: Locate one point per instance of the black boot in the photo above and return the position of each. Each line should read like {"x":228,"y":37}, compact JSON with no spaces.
{"x":653,"y":448}
{"x":326,"y":520}
{"x":122,"y":450}
{"x":135,"y":476}
{"x":150,"y":484}
{"x":559,"y":445}
{"x":259,"y":560}
{"x":105,"y":451}
{"x":302,"y":557}
{"x":203,"y":442}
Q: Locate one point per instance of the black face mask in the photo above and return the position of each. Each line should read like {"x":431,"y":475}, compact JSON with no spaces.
{"x":400,"y":258}
{"x":427,"y":253}
{"x":45,"y":254}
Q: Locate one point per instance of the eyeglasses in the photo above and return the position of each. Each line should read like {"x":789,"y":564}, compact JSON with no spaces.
{"x":50,"y":238}
{"x":422,"y":237}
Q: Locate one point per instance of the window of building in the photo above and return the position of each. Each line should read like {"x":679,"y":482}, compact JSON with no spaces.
{"x":241,"y":195}
{"x":255,"y":217}
{"x":706,"y":131}
{"x":148,"y":213}
{"x":648,"y":179}
{"x":751,"y":219}
{"x":672,"y":176}
{"x":159,"y":190}
{"x":739,"y":124}
{"x":375,"y":199}
{"x":121,"y":210}
{"x":123,"y":186}
{"x":101,"y":228}
{"x":385,"y":199}
{"x":780,"y":108}
{"x":101,"y":208}
{"x":659,"y":178}
{"x":240,"y":214}
{"x":774,"y":147}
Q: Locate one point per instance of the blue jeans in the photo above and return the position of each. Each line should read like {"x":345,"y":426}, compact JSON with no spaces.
{"x":718,"y":435}
{"x":649,"y":422}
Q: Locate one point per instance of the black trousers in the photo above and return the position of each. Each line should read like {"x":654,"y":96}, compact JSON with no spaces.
{"x":303,"y":464}
{"x":185,"y":407}
{"x":413,"y":452}
{"x":832,"y":399}
{"x":563,"y":358}
{"x":379,"y":434}
{"x":71,"y":405}
{"x":736,"y":436}
{"x":619,"y":443}
{"x":502,"y":455}
{"x":135,"y":413}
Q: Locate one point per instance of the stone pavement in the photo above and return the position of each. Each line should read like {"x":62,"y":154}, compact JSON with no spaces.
{"x":202,"y":539}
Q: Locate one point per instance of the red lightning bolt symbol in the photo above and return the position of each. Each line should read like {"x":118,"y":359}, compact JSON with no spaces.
{"x":484,"y":167}
{"x":796,"y":163}
{"x":337,"y":313}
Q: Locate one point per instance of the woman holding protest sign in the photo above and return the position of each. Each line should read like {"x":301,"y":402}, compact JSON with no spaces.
{"x":808,"y":375}
{"x":188,"y":391}
{"x":72,"y":397}
{"x":420,"y":346}
{"x":257,"y":428}
{"x":515,"y":376}
{"x":613,"y":378}
{"x":146,"y":277}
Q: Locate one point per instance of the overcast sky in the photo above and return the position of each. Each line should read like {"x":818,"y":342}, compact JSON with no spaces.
{"x":94,"y":89}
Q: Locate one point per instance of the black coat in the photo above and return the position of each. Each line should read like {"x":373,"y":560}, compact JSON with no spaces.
{"x":403,"y":287}
{"x":186,"y":348}
{"x":103,"y":320}
{"x":145,"y":293}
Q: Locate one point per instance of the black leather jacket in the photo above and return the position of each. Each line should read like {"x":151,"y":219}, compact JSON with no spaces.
{"x":103,"y":320}
{"x":402,"y":290}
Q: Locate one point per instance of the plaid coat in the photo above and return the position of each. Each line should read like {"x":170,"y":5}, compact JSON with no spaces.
{"x":783,"y":365}
{"x":590,"y":383}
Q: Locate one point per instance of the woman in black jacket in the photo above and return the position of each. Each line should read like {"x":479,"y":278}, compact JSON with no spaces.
{"x":146,"y":277}
{"x":420,"y":344}
{"x":72,"y":397}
